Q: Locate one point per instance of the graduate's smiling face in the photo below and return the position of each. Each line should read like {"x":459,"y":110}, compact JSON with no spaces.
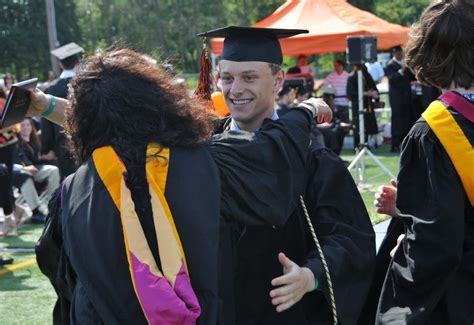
{"x":249,"y":89}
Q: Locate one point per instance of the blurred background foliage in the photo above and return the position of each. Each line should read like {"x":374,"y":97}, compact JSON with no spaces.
{"x":165,"y":29}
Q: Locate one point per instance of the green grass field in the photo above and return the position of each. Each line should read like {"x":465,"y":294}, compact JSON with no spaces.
{"x":26,"y":296}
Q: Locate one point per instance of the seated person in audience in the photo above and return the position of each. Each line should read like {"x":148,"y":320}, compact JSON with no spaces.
{"x":286,"y":97}
{"x":333,"y":132}
{"x":29,"y":170}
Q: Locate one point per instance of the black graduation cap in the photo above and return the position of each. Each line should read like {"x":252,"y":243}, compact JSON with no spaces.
{"x":67,"y":51}
{"x":252,"y":43}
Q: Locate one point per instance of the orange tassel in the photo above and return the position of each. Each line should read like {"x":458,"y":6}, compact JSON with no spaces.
{"x":204,"y":89}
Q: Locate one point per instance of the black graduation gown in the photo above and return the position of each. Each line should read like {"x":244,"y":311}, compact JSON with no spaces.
{"x":370,"y":122}
{"x":53,"y":136}
{"x":86,"y":234}
{"x":382,"y":261}
{"x":431,"y":278}
{"x":346,"y":234}
{"x":399,"y":94}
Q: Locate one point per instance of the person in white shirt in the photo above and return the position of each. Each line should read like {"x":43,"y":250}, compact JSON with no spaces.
{"x":338,"y":80}
{"x":375,"y":69}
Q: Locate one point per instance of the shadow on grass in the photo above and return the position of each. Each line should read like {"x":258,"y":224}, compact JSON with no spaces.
{"x":13,"y":282}
{"x":26,"y":238}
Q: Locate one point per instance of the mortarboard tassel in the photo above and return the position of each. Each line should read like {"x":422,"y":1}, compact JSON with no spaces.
{"x":203,"y":90}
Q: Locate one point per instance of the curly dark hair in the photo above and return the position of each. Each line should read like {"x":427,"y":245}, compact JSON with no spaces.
{"x":124,"y":99}
{"x":122,"y":95}
{"x":440,"y":48}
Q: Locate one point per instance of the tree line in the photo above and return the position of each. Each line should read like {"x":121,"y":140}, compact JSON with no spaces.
{"x":165,"y":29}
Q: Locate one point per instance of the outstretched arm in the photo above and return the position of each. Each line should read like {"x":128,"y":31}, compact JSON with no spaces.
{"x":263,"y":173}
{"x":40,"y":103}
{"x":345,"y":233}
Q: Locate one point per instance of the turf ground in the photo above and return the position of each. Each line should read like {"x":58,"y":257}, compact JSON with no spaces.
{"x":26,"y":296}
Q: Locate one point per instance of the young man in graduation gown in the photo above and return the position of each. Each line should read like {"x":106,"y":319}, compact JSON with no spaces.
{"x":274,"y":274}
{"x":53,"y":138}
{"x":85,"y":249}
{"x":430,"y":279}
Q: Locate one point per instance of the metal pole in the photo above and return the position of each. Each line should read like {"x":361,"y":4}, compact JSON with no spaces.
{"x":360,"y":92}
{"x":52,"y":34}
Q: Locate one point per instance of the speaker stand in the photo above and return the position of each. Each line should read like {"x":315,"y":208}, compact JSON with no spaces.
{"x":363,"y":149}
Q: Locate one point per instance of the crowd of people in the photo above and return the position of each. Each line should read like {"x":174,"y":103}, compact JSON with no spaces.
{"x":170,"y":215}
{"x":408,"y":98}
{"x":33,"y":155}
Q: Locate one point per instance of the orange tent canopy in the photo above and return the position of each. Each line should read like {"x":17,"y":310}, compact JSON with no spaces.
{"x":329,"y":23}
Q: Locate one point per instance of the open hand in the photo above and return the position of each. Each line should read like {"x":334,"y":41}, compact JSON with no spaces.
{"x":293,"y":284}
{"x":385,"y":199}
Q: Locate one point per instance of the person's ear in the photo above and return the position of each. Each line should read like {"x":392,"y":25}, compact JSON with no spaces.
{"x":278,"y":81}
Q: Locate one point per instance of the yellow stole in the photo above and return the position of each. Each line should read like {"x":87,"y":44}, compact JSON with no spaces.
{"x":165,"y":296}
{"x":458,"y":147}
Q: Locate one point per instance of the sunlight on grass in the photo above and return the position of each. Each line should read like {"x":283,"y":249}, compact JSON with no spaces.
{"x":391,"y":161}
{"x":26,"y":295}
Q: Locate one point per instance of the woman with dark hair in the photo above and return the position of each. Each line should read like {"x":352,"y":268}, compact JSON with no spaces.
{"x":30,"y":170}
{"x":139,"y":220}
{"x":430,"y":279}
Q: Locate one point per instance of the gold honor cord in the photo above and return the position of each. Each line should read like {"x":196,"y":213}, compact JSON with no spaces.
{"x":323,"y":260}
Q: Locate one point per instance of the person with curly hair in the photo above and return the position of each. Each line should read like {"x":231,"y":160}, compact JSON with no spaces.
{"x":430,"y":278}
{"x":138,"y":222}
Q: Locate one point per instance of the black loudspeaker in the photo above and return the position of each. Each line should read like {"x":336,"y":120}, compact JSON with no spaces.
{"x":361,"y":49}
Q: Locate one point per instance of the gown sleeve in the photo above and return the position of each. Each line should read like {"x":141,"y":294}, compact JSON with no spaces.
{"x":432,"y":202}
{"x":344,"y":230}
{"x":262,"y":173}
{"x":53,"y":262}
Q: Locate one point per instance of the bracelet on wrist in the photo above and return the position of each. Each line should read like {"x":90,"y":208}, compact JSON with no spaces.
{"x":52,"y":106}
{"x":316,"y":284}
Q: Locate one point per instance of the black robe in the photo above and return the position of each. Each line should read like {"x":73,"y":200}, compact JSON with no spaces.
{"x":82,"y":248}
{"x":53,"y":136}
{"x":399,"y":94}
{"x":347,"y":238}
{"x":431,"y":277}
